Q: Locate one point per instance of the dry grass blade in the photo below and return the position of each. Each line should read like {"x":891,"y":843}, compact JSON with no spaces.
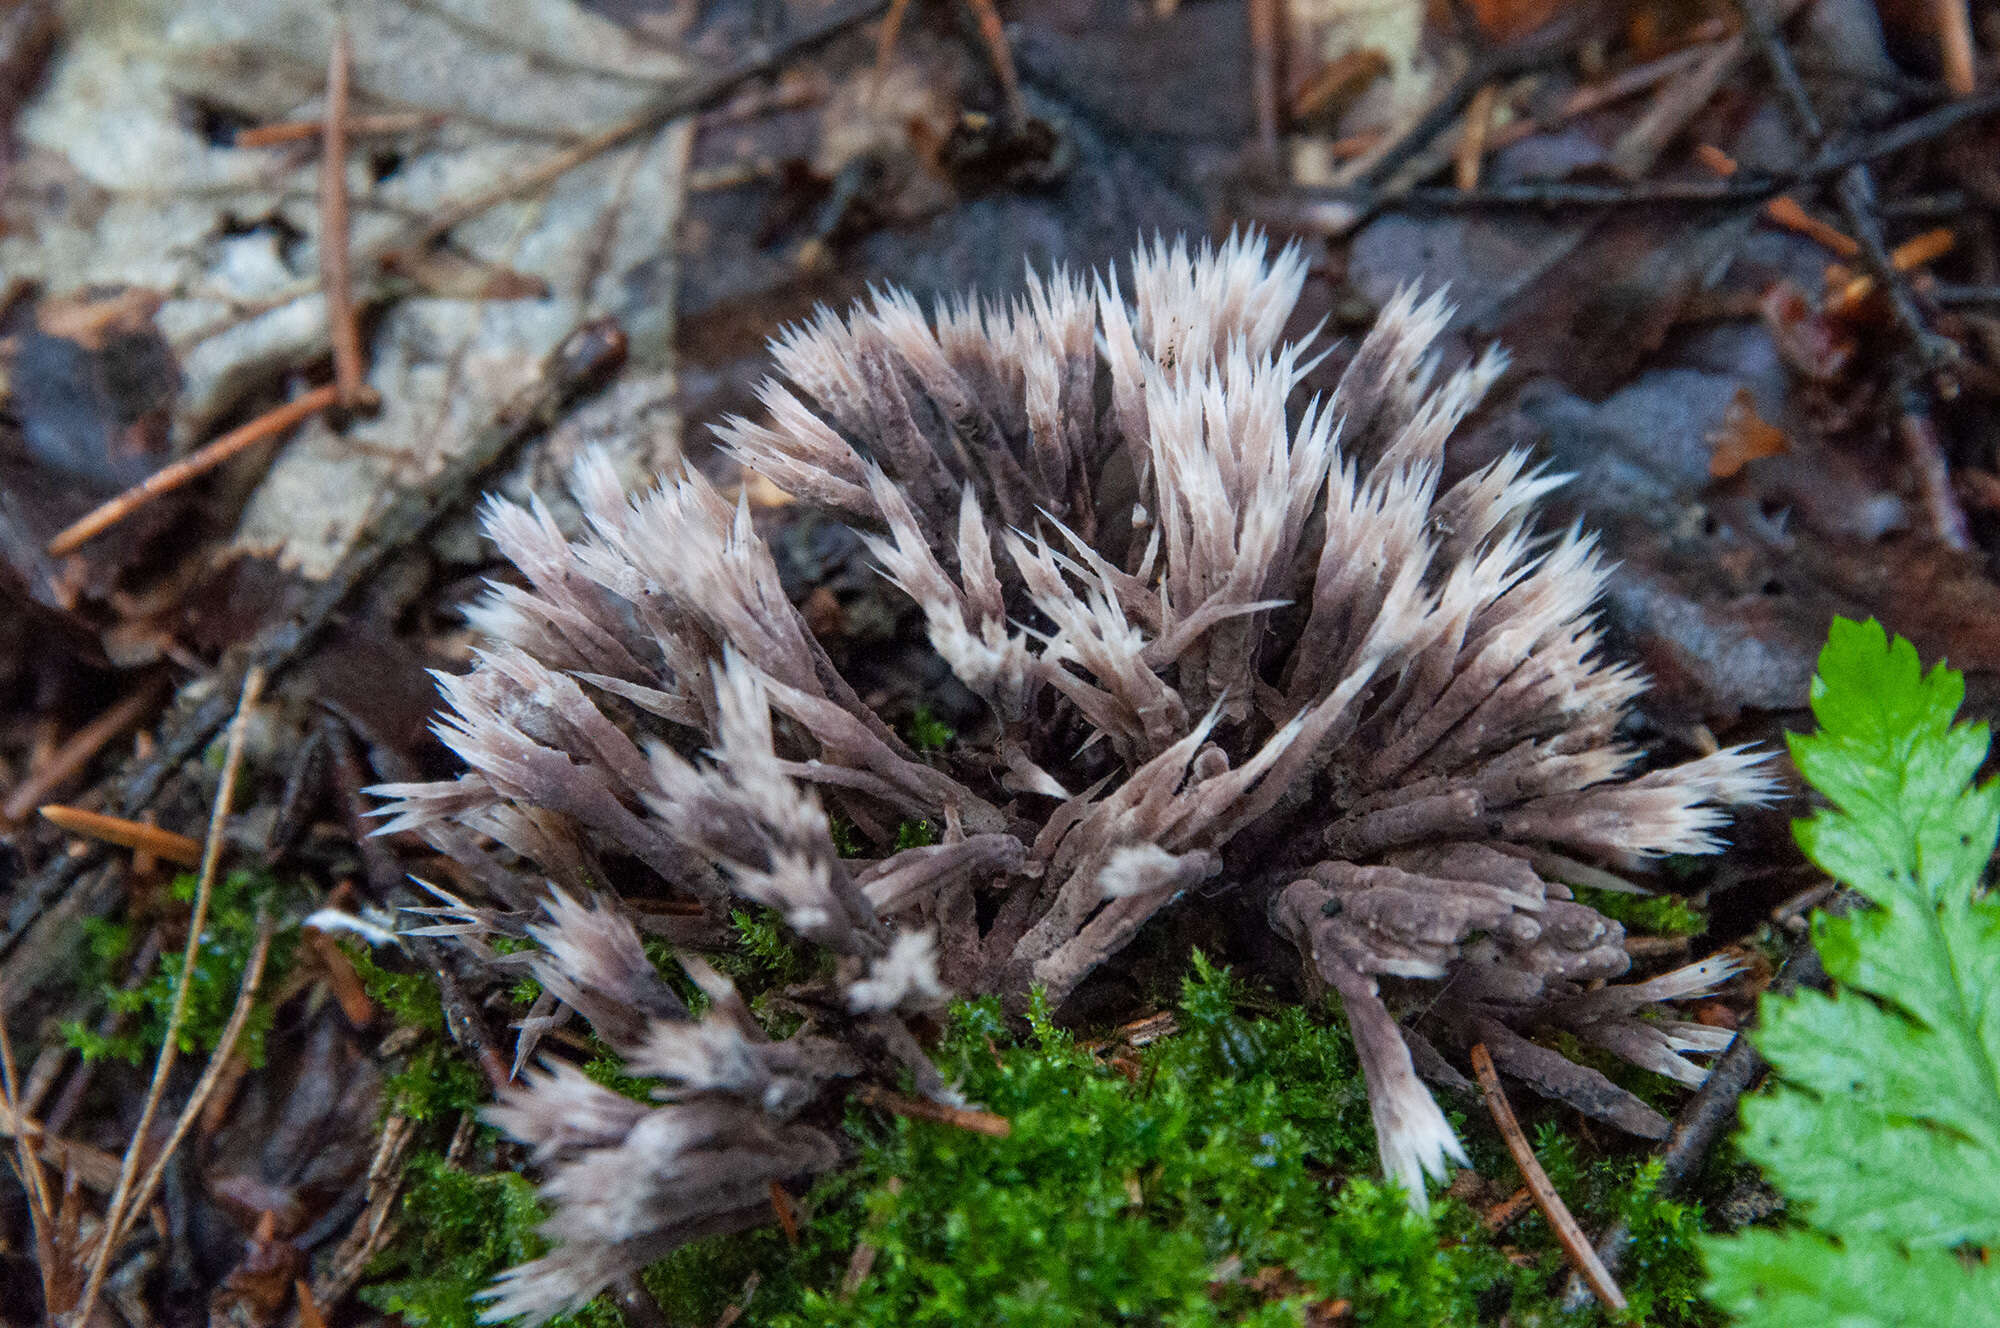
{"x":1568,"y":1234}
{"x":198,"y":462}
{"x":218,"y":1065}
{"x":40,"y":1211}
{"x":135,"y":835}
{"x":121,"y":1206}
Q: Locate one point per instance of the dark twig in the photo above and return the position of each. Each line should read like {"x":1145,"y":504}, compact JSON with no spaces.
{"x":760,"y":60}
{"x":585,"y":357}
{"x":1854,"y":190}
{"x":1546,"y":46}
{"x":1264,"y":16}
{"x":195,"y":464}
{"x":1707,"y":1114}
{"x":1355,"y":204}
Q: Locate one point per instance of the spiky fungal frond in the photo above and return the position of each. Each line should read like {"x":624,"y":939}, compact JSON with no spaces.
{"x":1228,"y":642}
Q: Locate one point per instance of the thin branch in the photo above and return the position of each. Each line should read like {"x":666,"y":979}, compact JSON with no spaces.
{"x":198,"y":462}
{"x":219,"y":1063}
{"x":118,"y":830}
{"x":1702,"y":1121}
{"x":1568,"y":1233}
{"x":41,"y":1212}
{"x":916,"y":1108}
{"x":358,"y":126}
{"x":1854,"y":188}
{"x":1355,"y":204}
{"x":343,"y":330}
{"x":115,"y":1213}
{"x":584,"y":359}
{"x":77,"y":750}
{"x":704,"y":94}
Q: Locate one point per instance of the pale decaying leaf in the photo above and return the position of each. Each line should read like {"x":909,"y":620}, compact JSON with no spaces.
{"x":121,"y":185}
{"x":1232,"y":645}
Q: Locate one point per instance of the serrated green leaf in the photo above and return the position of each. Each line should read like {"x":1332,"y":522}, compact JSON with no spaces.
{"x":1882,"y":1123}
{"x":1799,"y":1279}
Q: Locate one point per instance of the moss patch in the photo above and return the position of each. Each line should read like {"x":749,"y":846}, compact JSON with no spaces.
{"x":217,"y":978}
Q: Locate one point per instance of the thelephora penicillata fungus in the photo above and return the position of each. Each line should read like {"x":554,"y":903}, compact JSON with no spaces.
{"x":1227,"y":642}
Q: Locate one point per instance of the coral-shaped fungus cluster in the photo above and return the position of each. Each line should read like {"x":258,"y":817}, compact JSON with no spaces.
{"x":1232,"y":648}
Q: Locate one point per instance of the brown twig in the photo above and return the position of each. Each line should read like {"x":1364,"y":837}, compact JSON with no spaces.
{"x":1265,"y":17}
{"x":1568,"y":1234}
{"x":584,"y":359}
{"x":135,"y":835}
{"x":77,"y":750}
{"x":1925,"y":452}
{"x":1954,"y":25}
{"x":41,"y":1212}
{"x":671,"y":106}
{"x":122,"y":1204}
{"x":885,"y":38}
{"x":916,"y":1108}
{"x":358,"y":126}
{"x":1470,"y":153}
{"x":198,"y":462}
{"x":993,"y":36}
{"x":343,"y":329}
{"x":1509,"y":1208}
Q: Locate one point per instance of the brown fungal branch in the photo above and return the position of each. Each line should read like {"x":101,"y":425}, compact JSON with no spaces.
{"x":1225,"y":641}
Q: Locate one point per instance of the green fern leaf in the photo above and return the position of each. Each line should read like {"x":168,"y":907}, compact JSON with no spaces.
{"x":1882,"y":1123}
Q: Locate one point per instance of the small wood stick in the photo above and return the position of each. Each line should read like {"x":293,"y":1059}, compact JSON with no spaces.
{"x":993,"y":35}
{"x":77,"y":750}
{"x":358,"y":126}
{"x":916,"y":1108}
{"x":309,"y":1315}
{"x":1568,"y":1233}
{"x":892,"y":28}
{"x":135,"y":835}
{"x":27,"y":1135}
{"x":1265,"y":16}
{"x":1954,"y":25}
{"x":198,"y":462}
{"x":122,"y":1204}
{"x":348,"y":373}
{"x":1471,"y":151}
{"x":787,"y":1211}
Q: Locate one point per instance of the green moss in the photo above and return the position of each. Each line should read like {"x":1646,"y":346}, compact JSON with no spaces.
{"x":928,"y":733}
{"x":217,"y":978}
{"x":410,"y":998}
{"x":456,"y":1231}
{"x":915,"y":834}
{"x":1208,"y":1180}
{"x":1222,"y":1175}
{"x":1646,"y":915}
{"x":435,"y":1082}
